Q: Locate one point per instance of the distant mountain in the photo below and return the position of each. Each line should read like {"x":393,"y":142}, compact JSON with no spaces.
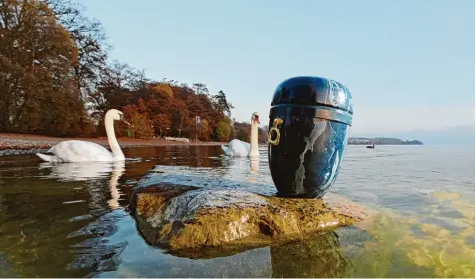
{"x":452,"y":135}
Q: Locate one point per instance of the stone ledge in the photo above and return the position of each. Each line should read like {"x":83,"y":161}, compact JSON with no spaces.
{"x":185,"y":219}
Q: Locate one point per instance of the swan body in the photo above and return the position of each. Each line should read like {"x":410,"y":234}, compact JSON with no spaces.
{"x":78,"y":151}
{"x":84,"y":151}
{"x":238,"y":148}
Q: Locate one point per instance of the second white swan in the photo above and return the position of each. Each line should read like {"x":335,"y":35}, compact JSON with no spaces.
{"x":84,"y":151}
{"x":238,"y":148}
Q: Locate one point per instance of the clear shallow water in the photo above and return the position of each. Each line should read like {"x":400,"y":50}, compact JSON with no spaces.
{"x":71,"y":220}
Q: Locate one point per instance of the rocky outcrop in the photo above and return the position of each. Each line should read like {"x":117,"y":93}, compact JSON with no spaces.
{"x":185,"y":218}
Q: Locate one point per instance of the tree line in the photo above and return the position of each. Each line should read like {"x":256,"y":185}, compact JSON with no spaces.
{"x":56,"y":79}
{"x":382,"y":141}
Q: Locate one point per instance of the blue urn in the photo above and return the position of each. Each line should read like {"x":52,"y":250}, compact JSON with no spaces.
{"x":309,"y":124}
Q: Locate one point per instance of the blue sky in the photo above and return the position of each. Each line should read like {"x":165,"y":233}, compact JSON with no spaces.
{"x":409,"y":64}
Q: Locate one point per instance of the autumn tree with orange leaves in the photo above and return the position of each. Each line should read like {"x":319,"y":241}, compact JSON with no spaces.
{"x":56,"y":79}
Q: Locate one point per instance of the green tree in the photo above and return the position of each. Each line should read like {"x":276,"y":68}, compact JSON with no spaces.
{"x":222,"y":104}
{"x":204,"y":130}
{"x":200,"y":88}
{"x":243,"y":135}
{"x":223,"y":129}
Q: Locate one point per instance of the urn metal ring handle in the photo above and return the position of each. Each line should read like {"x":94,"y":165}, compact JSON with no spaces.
{"x":274,"y":134}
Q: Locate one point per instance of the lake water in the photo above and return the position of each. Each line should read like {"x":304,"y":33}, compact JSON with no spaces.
{"x":71,"y":220}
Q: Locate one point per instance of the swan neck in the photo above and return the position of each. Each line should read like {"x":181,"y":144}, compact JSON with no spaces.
{"x":111,"y":137}
{"x":254,"y":140}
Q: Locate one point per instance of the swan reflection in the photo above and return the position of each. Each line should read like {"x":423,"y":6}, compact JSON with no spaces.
{"x":241,"y":166}
{"x":89,"y":171}
{"x":254,"y":165}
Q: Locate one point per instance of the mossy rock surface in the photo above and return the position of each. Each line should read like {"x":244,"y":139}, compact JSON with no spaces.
{"x":185,"y":219}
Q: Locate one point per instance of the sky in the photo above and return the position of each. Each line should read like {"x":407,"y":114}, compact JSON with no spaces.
{"x":409,"y":64}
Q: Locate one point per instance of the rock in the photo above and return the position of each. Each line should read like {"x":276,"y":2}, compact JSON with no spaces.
{"x":185,"y":218}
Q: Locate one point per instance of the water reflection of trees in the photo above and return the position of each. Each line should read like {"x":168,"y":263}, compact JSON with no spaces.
{"x":194,"y":156}
{"x":248,"y":174}
{"x":54,"y":219}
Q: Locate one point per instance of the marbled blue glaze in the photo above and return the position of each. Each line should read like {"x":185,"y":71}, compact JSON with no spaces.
{"x":316,"y":114}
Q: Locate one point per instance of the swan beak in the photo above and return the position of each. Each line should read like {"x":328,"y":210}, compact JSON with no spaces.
{"x":125,"y":121}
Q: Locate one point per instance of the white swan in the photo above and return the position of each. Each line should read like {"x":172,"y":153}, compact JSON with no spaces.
{"x":240,"y":148}
{"x":84,"y":151}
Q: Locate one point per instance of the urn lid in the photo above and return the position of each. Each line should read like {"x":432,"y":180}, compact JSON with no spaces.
{"x":313,"y":91}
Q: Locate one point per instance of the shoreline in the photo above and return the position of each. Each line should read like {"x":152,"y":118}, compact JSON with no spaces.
{"x":15,"y":144}
{"x":395,"y":144}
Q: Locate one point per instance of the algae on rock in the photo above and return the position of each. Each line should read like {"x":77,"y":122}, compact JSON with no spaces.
{"x":184,"y":218}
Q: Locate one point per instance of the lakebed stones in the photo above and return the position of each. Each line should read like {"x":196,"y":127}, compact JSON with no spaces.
{"x":184,"y":218}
